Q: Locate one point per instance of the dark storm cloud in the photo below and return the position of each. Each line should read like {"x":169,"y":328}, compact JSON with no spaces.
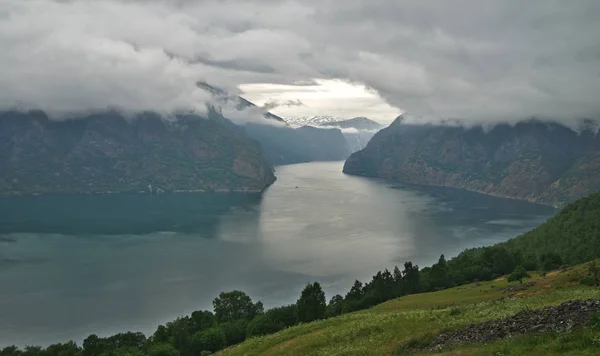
{"x":473,"y":59}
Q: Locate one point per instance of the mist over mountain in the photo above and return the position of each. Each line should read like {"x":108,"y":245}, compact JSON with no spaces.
{"x":282,"y":143}
{"x":533,"y":160}
{"x":109,"y":153}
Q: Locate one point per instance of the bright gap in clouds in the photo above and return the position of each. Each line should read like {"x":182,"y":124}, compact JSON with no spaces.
{"x":323,"y":97}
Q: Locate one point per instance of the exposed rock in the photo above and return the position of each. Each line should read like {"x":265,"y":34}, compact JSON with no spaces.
{"x":516,"y":287}
{"x":558,"y":318}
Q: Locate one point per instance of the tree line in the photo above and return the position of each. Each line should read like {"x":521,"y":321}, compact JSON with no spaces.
{"x":570,"y":237}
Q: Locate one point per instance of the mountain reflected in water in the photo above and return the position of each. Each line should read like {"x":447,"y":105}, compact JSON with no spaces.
{"x":122,"y":213}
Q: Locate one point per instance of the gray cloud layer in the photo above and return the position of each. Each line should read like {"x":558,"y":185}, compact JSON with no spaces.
{"x":272,"y":104}
{"x":472,"y":59}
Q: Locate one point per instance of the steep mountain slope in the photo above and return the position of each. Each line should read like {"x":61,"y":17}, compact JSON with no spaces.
{"x":105,"y":152}
{"x":282,"y":143}
{"x":532,"y":160}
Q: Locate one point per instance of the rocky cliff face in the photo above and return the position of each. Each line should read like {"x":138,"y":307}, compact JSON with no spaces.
{"x":536,"y":161}
{"x":105,"y":152}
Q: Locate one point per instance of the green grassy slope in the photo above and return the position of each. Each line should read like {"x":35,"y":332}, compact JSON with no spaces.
{"x":383,"y":329}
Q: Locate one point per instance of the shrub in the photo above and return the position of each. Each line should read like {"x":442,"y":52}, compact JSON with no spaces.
{"x":588,"y":281}
{"x":212,"y":340}
{"x":162,"y":350}
{"x":262,"y":325}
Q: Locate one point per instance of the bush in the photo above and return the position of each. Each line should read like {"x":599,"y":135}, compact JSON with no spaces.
{"x":588,"y":281}
{"x":455,"y":311}
{"x":285,"y":316}
{"x":211,"y":340}
{"x":263,"y":325}
{"x":234,"y":331}
{"x":518,"y":274}
{"x":162,"y":350}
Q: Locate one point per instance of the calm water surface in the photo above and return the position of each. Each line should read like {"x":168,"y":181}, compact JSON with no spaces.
{"x":72,"y":266}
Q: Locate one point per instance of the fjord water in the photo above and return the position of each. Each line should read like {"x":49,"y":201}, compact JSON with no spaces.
{"x":75,"y":265}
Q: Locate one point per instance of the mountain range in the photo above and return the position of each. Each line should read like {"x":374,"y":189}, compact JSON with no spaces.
{"x":542,"y":162}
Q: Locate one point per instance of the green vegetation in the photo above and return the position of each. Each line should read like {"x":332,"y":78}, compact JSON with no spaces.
{"x":466,"y":289}
{"x":580,"y":343}
{"x":105,"y":152}
{"x":415,"y":319}
{"x":311,"y":305}
{"x":573,"y":234}
{"x":518,"y":274}
{"x":532,"y":160}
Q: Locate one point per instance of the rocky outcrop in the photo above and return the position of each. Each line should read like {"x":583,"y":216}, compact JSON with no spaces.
{"x":558,"y":318}
{"x":107,"y":153}
{"x":511,"y":288}
{"x":537,"y":161}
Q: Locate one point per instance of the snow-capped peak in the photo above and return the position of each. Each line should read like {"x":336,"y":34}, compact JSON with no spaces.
{"x":312,"y":120}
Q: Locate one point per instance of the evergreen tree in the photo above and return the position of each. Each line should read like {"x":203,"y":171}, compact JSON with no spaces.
{"x":311,"y":305}
{"x":411,"y":277}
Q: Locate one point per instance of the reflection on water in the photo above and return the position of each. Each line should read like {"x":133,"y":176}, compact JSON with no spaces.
{"x":71,"y":266}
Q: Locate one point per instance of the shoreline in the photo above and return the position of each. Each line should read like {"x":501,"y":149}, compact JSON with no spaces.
{"x":556,"y":206}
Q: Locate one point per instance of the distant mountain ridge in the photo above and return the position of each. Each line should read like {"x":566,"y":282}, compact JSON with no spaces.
{"x":317,"y":120}
{"x":357,"y":131}
{"x":284,"y":144}
{"x":359,"y":123}
{"x":107,"y":153}
{"x":538,"y":161}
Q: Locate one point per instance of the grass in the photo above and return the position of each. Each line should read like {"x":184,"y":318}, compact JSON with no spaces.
{"x":386,"y":328}
{"x":580,"y":342}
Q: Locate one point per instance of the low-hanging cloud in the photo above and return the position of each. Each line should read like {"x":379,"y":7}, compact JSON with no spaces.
{"x":478,"y":60}
{"x":273,"y":104}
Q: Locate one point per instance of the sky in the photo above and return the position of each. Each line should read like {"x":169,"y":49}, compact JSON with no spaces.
{"x":475,"y":60}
